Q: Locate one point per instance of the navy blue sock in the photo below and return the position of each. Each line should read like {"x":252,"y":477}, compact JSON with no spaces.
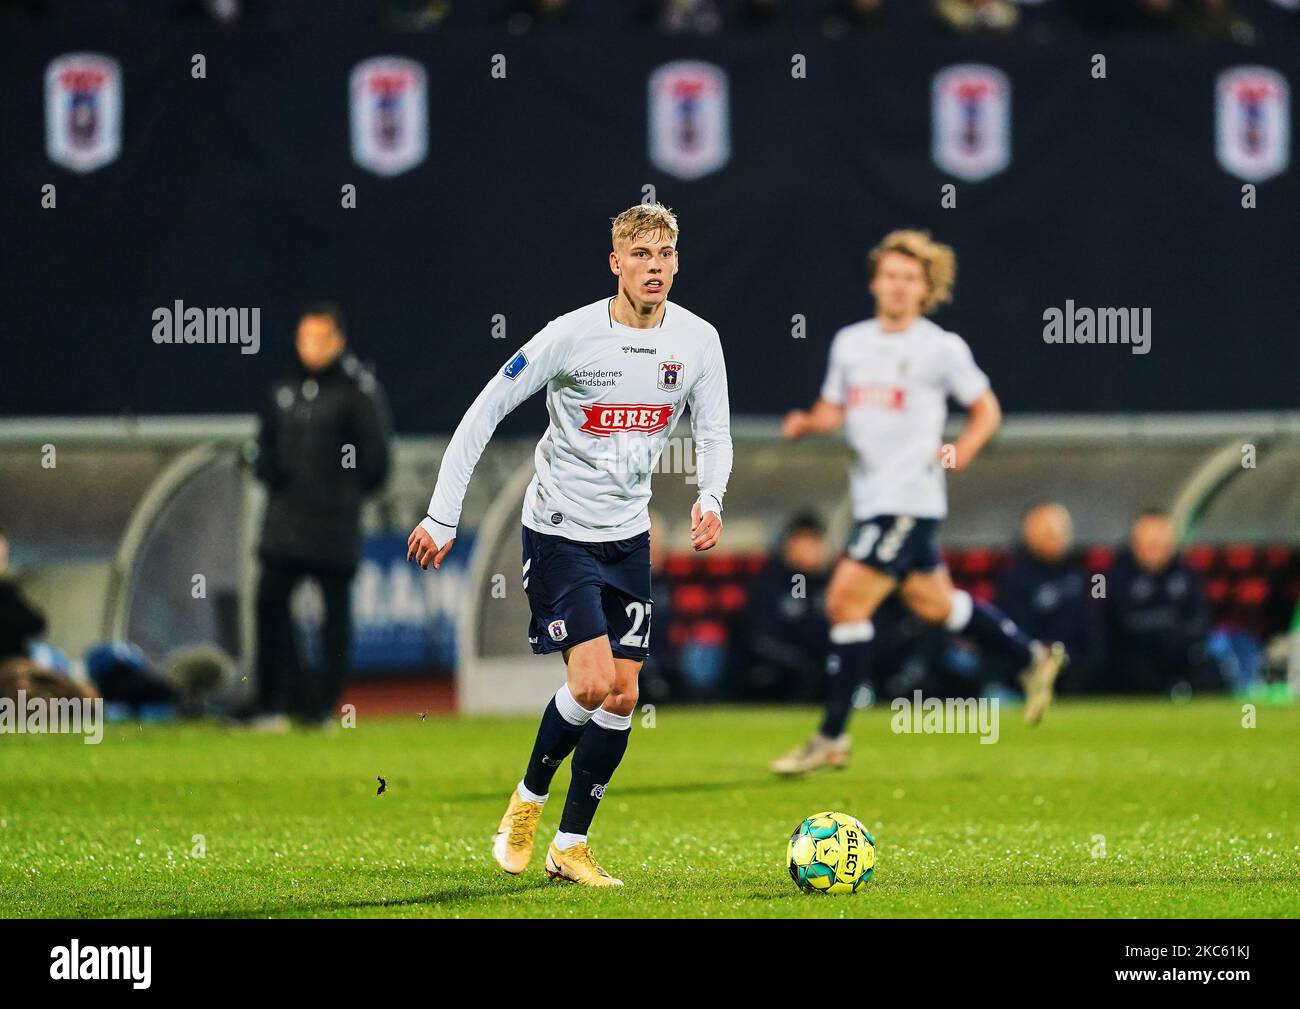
{"x":846,"y":670}
{"x":556,"y":738}
{"x":993,"y":629}
{"x":598,"y":755}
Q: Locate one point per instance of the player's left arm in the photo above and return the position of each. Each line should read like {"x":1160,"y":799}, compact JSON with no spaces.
{"x":711,"y":428}
{"x":983,"y":419}
{"x":969,"y":386}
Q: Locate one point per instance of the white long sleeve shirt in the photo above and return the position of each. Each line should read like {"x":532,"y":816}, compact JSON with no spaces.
{"x":614,"y":395}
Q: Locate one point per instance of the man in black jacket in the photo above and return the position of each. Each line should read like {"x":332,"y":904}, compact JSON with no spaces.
{"x":778,"y":644}
{"x":1045,"y":589}
{"x":322,"y":447}
{"x":20,"y":621}
{"x":1157,"y":614}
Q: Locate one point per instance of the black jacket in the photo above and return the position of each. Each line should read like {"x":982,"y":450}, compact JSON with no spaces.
{"x":19,"y":621}
{"x":315,"y":483}
{"x":1049,"y":601}
{"x":1161,"y":614}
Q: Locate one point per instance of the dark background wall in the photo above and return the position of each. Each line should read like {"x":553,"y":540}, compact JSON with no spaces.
{"x":227,"y":192}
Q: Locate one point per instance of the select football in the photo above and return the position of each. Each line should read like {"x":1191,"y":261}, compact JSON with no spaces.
{"x":831,"y":853}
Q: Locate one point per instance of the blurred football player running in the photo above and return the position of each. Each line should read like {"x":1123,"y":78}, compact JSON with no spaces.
{"x":888,"y":383}
{"x":617,"y":375}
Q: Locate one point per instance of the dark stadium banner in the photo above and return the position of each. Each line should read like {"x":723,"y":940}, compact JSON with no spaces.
{"x":486,"y":214}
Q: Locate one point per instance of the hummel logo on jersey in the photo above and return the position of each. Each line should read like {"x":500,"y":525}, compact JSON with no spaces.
{"x":640,"y":350}
{"x":557,"y":630}
{"x":604,"y":419}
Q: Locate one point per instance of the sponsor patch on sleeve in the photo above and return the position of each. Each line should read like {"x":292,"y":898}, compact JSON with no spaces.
{"x":516,"y":364}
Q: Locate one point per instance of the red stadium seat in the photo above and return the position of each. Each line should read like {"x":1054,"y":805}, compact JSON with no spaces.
{"x":1201,"y":557}
{"x":1239,"y":558}
{"x":732,"y":597}
{"x":1252,"y":591}
{"x":690,"y":600}
{"x":680,"y":566}
{"x":709,"y":632}
{"x":1279,"y":558}
{"x":721,"y":566}
{"x":1098,"y":559}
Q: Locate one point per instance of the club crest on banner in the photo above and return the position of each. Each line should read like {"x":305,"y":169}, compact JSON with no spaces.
{"x":390,"y":119}
{"x":83,"y":111}
{"x":1253,"y":122}
{"x":690,"y":119}
{"x":971,"y":121}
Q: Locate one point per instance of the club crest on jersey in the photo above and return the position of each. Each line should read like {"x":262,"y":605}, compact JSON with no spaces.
{"x":1253,"y":122}
{"x":557,"y":630}
{"x":971,"y":121}
{"x":389,"y":114}
{"x":605,"y":419}
{"x":670,"y":375}
{"x":690,"y":128}
{"x":83,"y":111}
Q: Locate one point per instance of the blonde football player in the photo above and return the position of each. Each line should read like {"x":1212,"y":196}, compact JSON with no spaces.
{"x":887,"y":385}
{"x":618,"y":374}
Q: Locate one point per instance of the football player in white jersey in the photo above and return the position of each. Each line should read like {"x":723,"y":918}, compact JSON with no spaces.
{"x":887,"y":385}
{"x":618,"y":373}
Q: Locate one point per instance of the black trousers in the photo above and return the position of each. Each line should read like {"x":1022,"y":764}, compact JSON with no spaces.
{"x":284,"y":684}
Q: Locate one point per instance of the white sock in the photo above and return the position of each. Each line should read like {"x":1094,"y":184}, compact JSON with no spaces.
{"x":609,"y":720}
{"x":847,"y":634}
{"x":962,"y":608}
{"x":565,"y":841}
{"x":569,"y":708}
{"x":528,"y":796}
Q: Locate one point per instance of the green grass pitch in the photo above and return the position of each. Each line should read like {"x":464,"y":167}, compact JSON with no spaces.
{"x":1107,"y":810}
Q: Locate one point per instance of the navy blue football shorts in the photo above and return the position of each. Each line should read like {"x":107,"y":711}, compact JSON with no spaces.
{"x":579,"y":591}
{"x":896,"y":544}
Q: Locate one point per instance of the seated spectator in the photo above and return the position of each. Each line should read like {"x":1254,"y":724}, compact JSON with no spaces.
{"x":20,"y":621}
{"x":1045,"y":589}
{"x":1157,"y":615}
{"x":779,"y":642}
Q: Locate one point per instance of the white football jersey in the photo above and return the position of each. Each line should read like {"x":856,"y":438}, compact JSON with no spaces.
{"x":614,"y":395}
{"x":894,"y":389}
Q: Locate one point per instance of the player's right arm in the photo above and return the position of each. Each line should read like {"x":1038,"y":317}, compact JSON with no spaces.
{"x":827,"y":414}
{"x":825,"y":417}
{"x":535,"y":364}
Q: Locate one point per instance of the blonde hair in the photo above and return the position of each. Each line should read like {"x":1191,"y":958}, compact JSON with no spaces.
{"x":643,"y":219}
{"x":938,"y":261}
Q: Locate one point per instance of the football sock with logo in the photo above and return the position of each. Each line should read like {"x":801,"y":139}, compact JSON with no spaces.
{"x":599,"y":751}
{"x":990,"y":627}
{"x":563,"y":723}
{"x":846,"y":670}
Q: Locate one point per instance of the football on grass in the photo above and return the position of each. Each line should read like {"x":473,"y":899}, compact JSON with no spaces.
{"x":831,"y":853}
